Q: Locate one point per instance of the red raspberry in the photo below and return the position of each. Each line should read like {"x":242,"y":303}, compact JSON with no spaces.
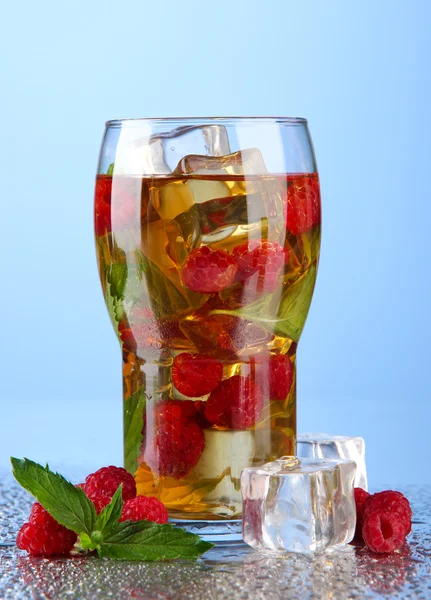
{"x":384,"y":531}
{"x":208,"y":271}
{"x":303,"y":203}
{"x":102,"y":205}
{"x":265,"y":259}
{"x":361,"y":497}
{"x":390,"y":501}
{"x":141,"y":508}
{"x":102,"y":485}
{"x":43,"y":536}
{"x":280,"y":377}
{"x":236,"y":403}
{"x":100,"y":502}
{"x":178,"y":443}
{"x":144,"y":335}
{"x":196,"y":375}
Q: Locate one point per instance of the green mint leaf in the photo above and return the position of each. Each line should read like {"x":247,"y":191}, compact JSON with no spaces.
{"x":133,"y":420}
{"x":286,"y":316}
{"x":66,"y":503}
{"x":109,"y":516}
{"x":143,"y":540}
{"x":85,"y":542}
{"x":110,"y":170}
{"x":117,"y":277}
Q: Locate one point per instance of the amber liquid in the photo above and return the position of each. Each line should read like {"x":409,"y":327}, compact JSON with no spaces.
{"x":145,"y":230}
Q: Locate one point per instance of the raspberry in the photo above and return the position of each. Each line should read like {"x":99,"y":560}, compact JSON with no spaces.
{"x":102,"y":206}
{"x":144,"y":335}
{"x":178,"y":442}
{"x":390,"y":501}
{"x":384,"y":531}
{"x":222,"y":335}
{"x":236,"y":403}
{"x":361,"y":497}
{"x":265,"y":259}
{"x":102,"y":485}
{"x":140,"y":508}
{"x":196,"y":375}
{"x":208,"y":271}
{"x":303,"y":203}
{"x":280,"y":377}
{"x":43,"y":536}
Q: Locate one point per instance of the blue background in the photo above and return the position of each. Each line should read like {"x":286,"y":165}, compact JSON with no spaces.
{"x":360,"y":72}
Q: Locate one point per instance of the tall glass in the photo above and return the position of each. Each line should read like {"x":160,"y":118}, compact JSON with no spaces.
{"x":207,"y":237}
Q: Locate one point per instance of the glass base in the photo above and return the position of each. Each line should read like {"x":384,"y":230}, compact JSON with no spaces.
{"x":217,"y":532}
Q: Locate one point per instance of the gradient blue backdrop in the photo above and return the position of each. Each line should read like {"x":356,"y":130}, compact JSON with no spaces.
{"x":360,"y":72}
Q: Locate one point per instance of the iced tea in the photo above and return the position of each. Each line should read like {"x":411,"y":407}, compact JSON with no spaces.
{"x":208,"y":276}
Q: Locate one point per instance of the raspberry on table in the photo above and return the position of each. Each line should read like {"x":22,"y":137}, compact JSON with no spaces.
{"x":143,"y":507}
{"x":384,"y":531}
{"x":43,"y":536}
{"x":393,"y":501}
{"x":105,"y":482}
{"x":236,"y":403}
{"x":361,"y":497}
{"x":196,"y":375}
{"x":207,"y":271}
{"x":303,"y":204}
{"x":265,"y":259}
{"x":178,"y":442}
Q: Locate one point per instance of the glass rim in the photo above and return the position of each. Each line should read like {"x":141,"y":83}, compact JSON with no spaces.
{"x":135,"y":121}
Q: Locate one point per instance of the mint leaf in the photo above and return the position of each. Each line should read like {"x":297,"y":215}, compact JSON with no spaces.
{"x":66,"y":503}
{"x":143,"y":540}
{"x":133,"y":422}
{"x":117,"y":277}
{"x":109,"y":516}
{"x":285,"y":316}
{"x":110,"y":170}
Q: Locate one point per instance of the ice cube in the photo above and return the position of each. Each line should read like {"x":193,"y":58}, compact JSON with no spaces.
{"x":323,"y":445}
{"x":159,"y":154}
{"x":226,"y":453}
{"x":298,"y":504}
{"x":243,"y":162}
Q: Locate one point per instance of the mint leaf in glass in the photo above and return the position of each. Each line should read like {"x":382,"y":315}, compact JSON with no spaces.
{"x":143,"y":540}
{"x":292,"y":308}
{"x":110,"y":170}
{"x":66,"y":503}
{"x":133,"y":422}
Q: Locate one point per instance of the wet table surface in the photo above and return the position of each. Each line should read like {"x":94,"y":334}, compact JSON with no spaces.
{"x":233,"y":571}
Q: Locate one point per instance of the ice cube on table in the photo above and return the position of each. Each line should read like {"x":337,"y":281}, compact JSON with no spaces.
{"x":159,"y":154}
{"x":324,"y":445}
{"x":298,"y":504}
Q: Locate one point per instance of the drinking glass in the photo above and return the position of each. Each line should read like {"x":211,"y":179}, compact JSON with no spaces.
{"x":207,"y":238}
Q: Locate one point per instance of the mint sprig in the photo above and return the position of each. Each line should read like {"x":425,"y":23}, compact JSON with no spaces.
{"x":138,"y":540}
